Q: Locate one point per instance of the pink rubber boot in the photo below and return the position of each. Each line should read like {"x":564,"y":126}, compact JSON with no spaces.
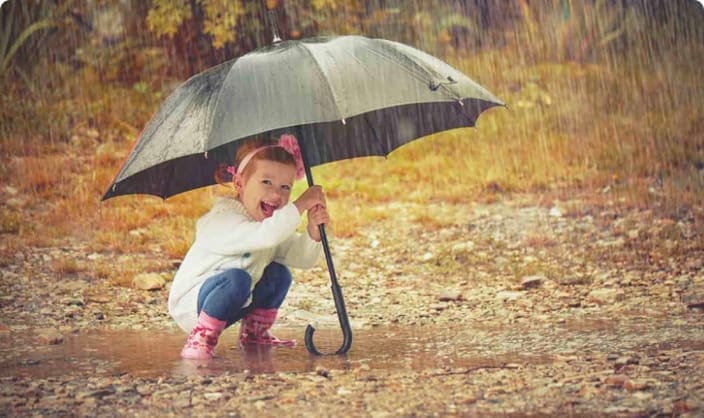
{"x":201,"y":342}
{"x":255,"y":329}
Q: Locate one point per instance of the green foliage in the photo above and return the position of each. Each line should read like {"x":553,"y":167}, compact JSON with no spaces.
{"x":219,"y":18}
{"x":165,"y":16}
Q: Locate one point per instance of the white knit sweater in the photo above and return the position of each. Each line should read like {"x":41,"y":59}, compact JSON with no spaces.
{"x":227,"y":237}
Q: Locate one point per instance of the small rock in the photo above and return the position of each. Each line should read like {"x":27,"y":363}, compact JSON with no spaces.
{"x":469,"y":398}
{"x":624,"y":361}
{"x":605,"y":296}
{"x":49,"y":337}
{"x":450,"y":295}
{"x":462,"y":247}
{"x":343,"y":391}
{"x":574,"y":280}
{"x":636,"y":384}
{"x":322,"y":371}
{"x":145,"y":389}
{"x":573,"y":302}
{"x":212,"y":396}
{"x":98,"y":298}
{"x":694,"y":297}
{"x":148,"y":281}
{"x":617,"y":380}
{"x":505,"y":295}
{"x":16,"y":202}
{"x":556,"y":212}
{"x":694,"y":264}
{"x":682,"y":406}
{"x":74,"y":302}
{"x":4,"y":332}
{"x":364,"y":367}
{"x":531,"y":282}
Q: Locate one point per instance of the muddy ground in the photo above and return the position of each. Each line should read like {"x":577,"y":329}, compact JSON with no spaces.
{"x":512,"y":308}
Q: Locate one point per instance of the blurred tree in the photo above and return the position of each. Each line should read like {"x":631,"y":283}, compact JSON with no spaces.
{"x":26,"y":29}
{"x":202,"y":33}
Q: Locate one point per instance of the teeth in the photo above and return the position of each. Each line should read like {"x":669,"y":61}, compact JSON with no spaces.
{"x":267,"y":208}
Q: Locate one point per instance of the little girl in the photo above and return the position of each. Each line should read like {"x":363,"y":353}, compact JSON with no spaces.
{"x":236,"y":268}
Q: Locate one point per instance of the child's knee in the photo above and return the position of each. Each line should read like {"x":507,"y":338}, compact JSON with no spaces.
{"x":280,"y":273}
{"x":239,"y":284}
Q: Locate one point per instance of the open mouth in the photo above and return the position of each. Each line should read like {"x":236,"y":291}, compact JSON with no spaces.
{"x":267,"y":209}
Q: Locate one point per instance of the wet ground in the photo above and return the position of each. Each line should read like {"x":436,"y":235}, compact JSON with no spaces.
{"x":634,"y":366}
{"x":514,"y":309}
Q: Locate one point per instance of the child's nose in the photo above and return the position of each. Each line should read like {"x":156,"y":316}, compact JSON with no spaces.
{"x":278,"y":194}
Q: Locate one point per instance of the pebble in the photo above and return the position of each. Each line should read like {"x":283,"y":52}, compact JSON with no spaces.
{"x":508,"y":295}
{"x":605,"y":296}
{"x":450,"y":296}
{"x":694,"y":297}
{"x":617,"y":380}
{"x":148,"y":281}
{"x":694,"y":264}
{"x":49,"y":337}
{"x":531,"y":282}
{"x":636,"y":384}
{"x":213,"y":396}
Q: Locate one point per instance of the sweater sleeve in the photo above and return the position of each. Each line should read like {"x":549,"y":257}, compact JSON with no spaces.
{"x":224,"y":230}
{"x":299,"y":251}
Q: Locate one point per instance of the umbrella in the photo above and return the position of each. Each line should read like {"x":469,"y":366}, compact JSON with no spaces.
{"x":343,"y":97}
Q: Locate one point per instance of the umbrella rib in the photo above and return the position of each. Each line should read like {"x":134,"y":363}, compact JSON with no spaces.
{"x":327,"y":84}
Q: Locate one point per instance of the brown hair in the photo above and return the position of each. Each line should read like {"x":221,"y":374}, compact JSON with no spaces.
{"x":276,"y":154}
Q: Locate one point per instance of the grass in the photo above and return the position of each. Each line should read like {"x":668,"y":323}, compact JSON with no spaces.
{"x":624,"y":128}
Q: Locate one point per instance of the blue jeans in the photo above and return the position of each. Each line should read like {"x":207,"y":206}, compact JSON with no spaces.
{"x":223,"y":295}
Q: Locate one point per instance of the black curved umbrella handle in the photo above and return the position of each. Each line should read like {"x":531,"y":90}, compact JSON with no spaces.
{"x":339,"y":305}
{"x":336,"y":290}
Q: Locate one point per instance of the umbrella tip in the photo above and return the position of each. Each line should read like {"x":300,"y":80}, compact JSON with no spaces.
{"x":274,"y":22}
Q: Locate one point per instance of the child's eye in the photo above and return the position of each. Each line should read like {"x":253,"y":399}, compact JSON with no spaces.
{"x":267,"y":182}
{"x":286,"y":187}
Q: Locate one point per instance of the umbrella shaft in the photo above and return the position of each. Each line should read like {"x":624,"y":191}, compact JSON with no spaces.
{"x":334,"y":285}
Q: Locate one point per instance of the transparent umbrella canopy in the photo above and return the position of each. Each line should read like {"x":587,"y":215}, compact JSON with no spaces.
{"x":342,"y":97}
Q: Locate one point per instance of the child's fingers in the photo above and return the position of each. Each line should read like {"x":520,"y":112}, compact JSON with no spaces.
{"x":319,"y":216}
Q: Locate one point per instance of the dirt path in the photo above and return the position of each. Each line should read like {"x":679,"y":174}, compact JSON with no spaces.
{"x":511,"y":308}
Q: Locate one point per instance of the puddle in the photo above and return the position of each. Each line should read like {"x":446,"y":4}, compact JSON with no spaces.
{"x":155,"y":354}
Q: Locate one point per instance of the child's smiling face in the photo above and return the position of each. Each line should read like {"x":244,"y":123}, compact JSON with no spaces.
{"x":265,"y":188}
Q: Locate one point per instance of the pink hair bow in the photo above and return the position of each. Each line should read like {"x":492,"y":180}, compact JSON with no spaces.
{"x":290,"y":144}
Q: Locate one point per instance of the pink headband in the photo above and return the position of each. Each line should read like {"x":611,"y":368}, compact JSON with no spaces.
{"x":287,"y":142}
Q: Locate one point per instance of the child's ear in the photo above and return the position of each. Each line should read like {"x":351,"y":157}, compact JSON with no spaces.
{"x":238,"y":182}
